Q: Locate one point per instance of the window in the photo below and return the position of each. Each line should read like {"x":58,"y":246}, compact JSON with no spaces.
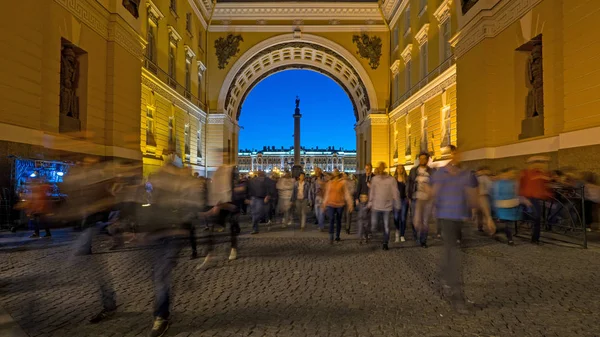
{"x":397,"y":80}
{"x":424,"y":144}
{"x":173,"y":6}
{"x":407,"y":150}
{"x":395,"y":38}
{"x":424,"y":60}
{"x":188,"y":75}
{"x":446,"y":35}
{"x":422,"y":7}
{"x":199,"y":142}
{"x":186,"y":135}
{"x":407,"y":20}
{"x":188,"y":23}
{"x":172,"y":65}
{"x":446,"y":127}
{"x":151,"y":47}
{"x":200,"y":85}
{"x":150,"y":140}
{"x":408,"y":74}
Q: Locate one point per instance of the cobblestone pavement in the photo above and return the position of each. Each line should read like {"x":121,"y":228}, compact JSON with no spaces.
{"x":288,"y":283}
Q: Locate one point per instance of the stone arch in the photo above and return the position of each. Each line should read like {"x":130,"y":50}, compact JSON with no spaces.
{"x":285,"y":52}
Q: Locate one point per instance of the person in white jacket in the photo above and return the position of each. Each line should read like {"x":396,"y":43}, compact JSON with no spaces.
{"x":383,"y":198}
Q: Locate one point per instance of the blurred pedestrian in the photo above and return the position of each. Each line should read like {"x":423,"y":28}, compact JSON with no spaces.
{"x":383,"y":199}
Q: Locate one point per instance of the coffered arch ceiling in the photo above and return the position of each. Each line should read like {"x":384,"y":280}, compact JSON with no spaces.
{"x":309,"y":52}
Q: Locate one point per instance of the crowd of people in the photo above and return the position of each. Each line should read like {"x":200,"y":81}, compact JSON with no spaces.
{"x":170,"y":204}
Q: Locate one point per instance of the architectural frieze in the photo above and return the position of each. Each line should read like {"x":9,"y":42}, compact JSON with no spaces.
{"x":286,"y":11}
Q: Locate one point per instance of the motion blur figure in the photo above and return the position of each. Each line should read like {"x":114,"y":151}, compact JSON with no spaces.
{"x":37,"y":205}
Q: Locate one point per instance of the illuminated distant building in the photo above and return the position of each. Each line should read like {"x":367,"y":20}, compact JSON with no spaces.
{"x":271,"y":158}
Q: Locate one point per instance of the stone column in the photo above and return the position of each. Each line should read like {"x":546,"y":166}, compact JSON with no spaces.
{"x":297,"y":169}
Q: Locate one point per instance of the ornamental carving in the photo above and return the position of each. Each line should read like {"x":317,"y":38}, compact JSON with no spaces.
{"x":368,"y":48}
{"x":225,"y":48}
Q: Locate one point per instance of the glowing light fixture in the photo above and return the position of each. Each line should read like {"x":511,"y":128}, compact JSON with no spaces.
{"x":60,"y":174}
{"x":33,"y":175}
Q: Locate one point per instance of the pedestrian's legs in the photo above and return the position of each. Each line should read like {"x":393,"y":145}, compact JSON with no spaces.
{"x":508,"y":230}
{"x":234,"y":227}
{"x":163,"y":265}
{"x":301,"y":209}
{"x":403,"y":213}
{"x":339,"y":212}
{"x":256,"y":207}
{"x":331,"y":214}
{"x":36,"y":224}
{"x":537,"y":219}
{"x":374,"y":219}
{"x":451,"y":261}
{"x":348,"y":219}
{"x":192,"y":238}
{"x":386,"y":226}
{"x":320,"y":214}
{"x":397,"y":219}
{"x":413,"y":212}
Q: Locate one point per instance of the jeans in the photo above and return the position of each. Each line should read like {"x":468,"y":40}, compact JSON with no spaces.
{"x":421,"y":212}
{"x":335,"y":215}
{"x":363,"y":221}
{"x":258,"y":211}
{"x":348,"y":216}
{"x":400,"y":217}
{"x":319,"y":213}
{"x":451,"y":266}
{"x":386,"y":223}
{"x":164,"y":262}
{"x":38,"y":221}
{"x":536,"y":210}
{"x":300,"y":205}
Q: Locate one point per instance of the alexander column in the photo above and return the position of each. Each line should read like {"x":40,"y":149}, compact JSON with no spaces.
{"x":297,"y":168}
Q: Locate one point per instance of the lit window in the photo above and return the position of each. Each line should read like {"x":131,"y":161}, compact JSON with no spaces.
{"x":424,"y":59}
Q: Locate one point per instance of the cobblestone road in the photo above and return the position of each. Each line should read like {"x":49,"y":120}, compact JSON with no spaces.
{"x":287,"y":283}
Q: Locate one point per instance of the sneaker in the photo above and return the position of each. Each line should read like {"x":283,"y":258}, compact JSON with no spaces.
{"x":159,"y":327}
{"x":398,"y":237}
{"x":385,"y":246}
{"x":102,"y":315}
{"x":511,"y":243}
{"x":254,"y":232}
{"x":34,"y":236}
{"x":233,"y":254}
{"x":338,"y":239}
{"x":206,"y":264}
{"x":402,"y":239}
{"x":47,"y":236}
{"x":424,"y":245}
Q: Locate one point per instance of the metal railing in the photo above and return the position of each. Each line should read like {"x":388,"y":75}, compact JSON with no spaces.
{"x":170,"y":81}
{"x":422,"y":83}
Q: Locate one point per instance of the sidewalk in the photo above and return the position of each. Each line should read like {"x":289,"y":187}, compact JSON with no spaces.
{"x":8,"y":326}
{"x":20,"y":239}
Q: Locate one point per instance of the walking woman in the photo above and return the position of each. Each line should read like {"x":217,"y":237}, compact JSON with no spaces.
{"x":400,"y":213}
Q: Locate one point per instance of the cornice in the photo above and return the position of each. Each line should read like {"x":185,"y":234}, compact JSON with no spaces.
{"x":489,"y":23}
{"x":395,"y":67}
{"x":378,"y":119}
{"x":124,"y":36}
{"x":421,"y":35}
{"x":433,"y":88}
{"x":296,"y":10}
{"x":152,"y":8}
{"x":189,"y":53}
{"x":398,"y":12}
{"x":291,"y":28}
{"x":173,"y":34}
{"x":407,"y":53}
{"x":201,"y":66}
{"x":442,"y":13}
{"x":199,"y":13}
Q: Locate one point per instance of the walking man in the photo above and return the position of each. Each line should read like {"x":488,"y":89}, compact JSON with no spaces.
{"x":300,"y":198}
{"x":419,"y":194}
{"x":383,"y":198}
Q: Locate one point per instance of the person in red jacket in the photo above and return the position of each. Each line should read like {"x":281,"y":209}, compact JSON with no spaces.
{"x":534,"y":187}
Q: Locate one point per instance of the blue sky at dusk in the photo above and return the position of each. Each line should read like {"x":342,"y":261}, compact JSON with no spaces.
{"x":327,"y":115}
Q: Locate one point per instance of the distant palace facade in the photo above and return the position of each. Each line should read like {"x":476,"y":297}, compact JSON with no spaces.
{"x":272,"y":159}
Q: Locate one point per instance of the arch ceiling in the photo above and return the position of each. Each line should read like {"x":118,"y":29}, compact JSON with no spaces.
{"x":310,"y":52}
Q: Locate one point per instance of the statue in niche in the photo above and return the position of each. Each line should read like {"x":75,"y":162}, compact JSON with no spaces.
{"x":535,"y":79}
{"x":133,"y":7}
{"x":69,"y":80}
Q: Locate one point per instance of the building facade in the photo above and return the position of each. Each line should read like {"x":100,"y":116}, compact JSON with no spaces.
{"x":139,"y":79}
{"x":282,"y":159}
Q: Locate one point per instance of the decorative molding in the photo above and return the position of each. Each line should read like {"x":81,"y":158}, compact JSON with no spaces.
{"x":432,"y":89}
{"x":124,"y":36}
{"x":369,"y":47}
{"x":442,"y":13}
{"x":290,"y":11}
{"x":359,"y":78}
{"x":407,"y":53}
{"x":153,"y":83}
{"x":395,"y":67}
{"x":200,"y":11}
{"x":173,"y":35}
{"x":201,"y":66}
{"x":421,"y":35}
{"x":189,"y":53}
{"x":489,"y":23}
{"x":290,"y":28}
{"x":154,"y":11}
{"x":398,"y":12}
{"x":379,"y":119}
{"x":91,"y":15}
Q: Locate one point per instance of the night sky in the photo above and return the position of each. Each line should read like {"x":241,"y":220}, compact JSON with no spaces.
{"x":327,"y":114}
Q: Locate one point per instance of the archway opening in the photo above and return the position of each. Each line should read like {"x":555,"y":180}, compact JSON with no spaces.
{"x":328,"y":139}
